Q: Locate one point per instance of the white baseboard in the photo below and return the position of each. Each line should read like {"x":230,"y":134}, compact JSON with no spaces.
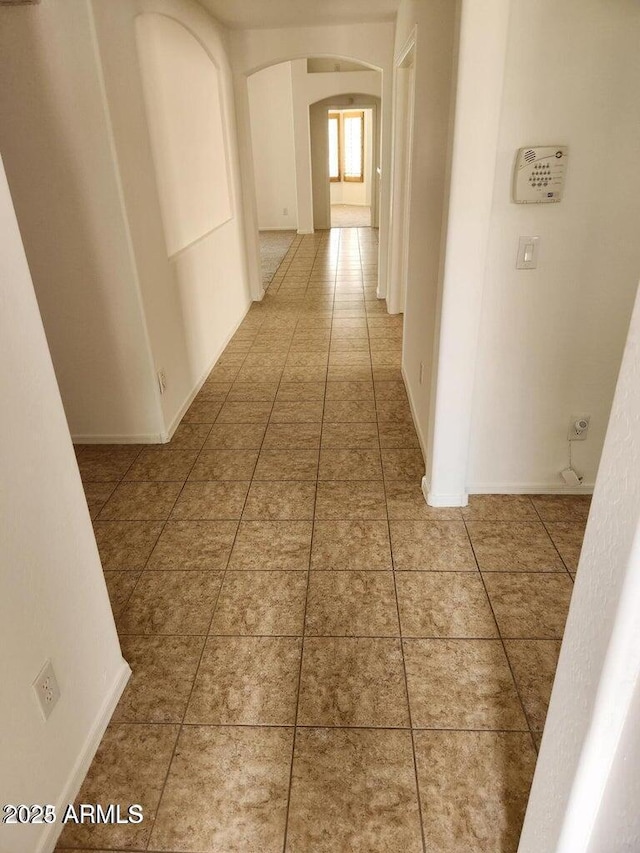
{"x":113,"y":438}
{"x":413,"y":414}
{"x":277,"y":228}
{"x":175,"y":423}
{"x":529,"y":489}
{"x":52,"y":831}
{"x":437,"y":499}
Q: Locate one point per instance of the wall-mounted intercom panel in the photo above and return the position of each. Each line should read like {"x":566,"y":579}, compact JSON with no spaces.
{"x":538,"y":175}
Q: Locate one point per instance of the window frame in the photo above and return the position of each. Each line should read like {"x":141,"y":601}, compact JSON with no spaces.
{"x":353,"y":179}
{"x":337,"y":117}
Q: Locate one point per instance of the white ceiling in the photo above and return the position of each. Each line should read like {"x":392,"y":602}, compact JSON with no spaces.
{"x":262,"y":14}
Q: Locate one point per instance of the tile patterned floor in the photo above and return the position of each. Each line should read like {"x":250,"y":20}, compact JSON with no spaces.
{"x":321,"y":662}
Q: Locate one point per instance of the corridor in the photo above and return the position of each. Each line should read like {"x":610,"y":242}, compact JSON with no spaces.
{"x":321,"y":662}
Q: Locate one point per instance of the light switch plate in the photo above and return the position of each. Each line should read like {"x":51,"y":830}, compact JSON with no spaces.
{"x":527,"y":253}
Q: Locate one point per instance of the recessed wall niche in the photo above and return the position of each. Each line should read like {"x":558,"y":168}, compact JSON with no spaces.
{"x":184,"y":109}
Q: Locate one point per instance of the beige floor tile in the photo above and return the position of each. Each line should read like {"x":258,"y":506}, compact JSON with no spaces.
{"x":171,"y":603}
{"x":120,"y":585}
{"x":261,"y":603}
{"x":356,"y":374}
{"x":235,"y":437}
{"x":499,"y":508}
{"x":214,"y":389}
{"x":211,"y":501}
{"x":253,"y":392}
{"x":287,"y":465}
{"x":562,"y":507}
{"x":286,"y":411}
{"x":530,"y":604}
{"x":353,"y":790}
{"x":352,"y":604}
{"x":301,"y":391}
{"x":444,"y":604}
{"x":357,"y":436}
{"x":288,"y":500}
{"x":304,"y":373}
{"x":104,"y":464}
{"x":193,"y":545}
{"x":386,"y":374}
{"x":461,"y":684}
{"x":352,"y":464}
{"x":474,"y":788}
{"x":261,"y":545}
{"x":348,"y":343}
{"x":302,"y":436}
{"x":355,"y":545}
{"x":357,"y":500}
{"x":349,"y":411}
{"x":406,"y":502}
{"x":203,"y":411}
{"x":567,"y":536}
{"x":158,"y":465}
{"x":224,"y":465}
{"x":534,"y":666}
{"x":348,"y":681}
{"x":226,"y":791}
{"x":431,"y":546}
{"x":164,"y":669}
{"x":405,"y":465}
{"x":244,"y":413}
{"x":391,"y":391}
{"x":247,"y":681}
{"x":189,"y":436}
{"x":96,"y":495}
{"x":394,"y":411}
{"x":126,"y":544}
{"x":350,"y":391}
{"x":398,"y":436}
{"x":223,"y":374}
{"x":130,"y":766}
{"x":518,"y":546}
{"x":306,"y":359}
{"x":141,"y":502}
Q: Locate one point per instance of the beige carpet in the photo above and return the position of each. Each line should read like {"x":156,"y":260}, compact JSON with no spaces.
{"x":273,"y":247}
{"x":350,"y":216}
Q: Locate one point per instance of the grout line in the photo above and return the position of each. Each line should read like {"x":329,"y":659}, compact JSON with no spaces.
{"x":304,"y":622}
{"x":504,"y":648}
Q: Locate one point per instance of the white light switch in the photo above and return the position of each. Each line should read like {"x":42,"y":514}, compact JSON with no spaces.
{"x":527,"y":253}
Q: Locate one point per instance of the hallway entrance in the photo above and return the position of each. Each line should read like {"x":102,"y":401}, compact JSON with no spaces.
{"x":303,"y":629}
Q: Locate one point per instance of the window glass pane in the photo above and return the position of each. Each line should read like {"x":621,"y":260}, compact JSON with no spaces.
{"x":334,"y":149}
{"x":353,"y":146}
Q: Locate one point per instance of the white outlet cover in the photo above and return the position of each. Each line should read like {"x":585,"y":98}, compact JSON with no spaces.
{"x":46,"y":689}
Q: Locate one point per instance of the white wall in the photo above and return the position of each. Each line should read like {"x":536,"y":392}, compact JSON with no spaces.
{"x":357,"y":192}
{"x":433,"y":69}
{"x":584,"y":797}
{"x":54,"y":136}
{"x":274,"y":156}
{"x":54,"y":602}
{"x":551,"y":339}
{"x":194,"y":300}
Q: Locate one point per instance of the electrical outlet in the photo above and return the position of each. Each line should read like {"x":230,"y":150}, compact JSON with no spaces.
{"x":46,"y":689}
{"x":421,"y":372}
{"x":162,"y":381}
{"x":579,"y":427}
{"x":285,"y":211}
